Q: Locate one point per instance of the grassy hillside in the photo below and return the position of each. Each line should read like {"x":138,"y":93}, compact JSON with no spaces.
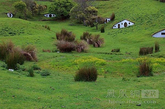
{"x":118,"y":73}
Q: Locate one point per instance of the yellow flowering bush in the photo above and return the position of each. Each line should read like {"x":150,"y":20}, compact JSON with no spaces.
{"x":153,"y":60}
{"x":90,"y":60}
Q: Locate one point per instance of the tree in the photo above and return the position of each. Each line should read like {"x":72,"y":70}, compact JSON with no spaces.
{"x":19,"y":6}
{"x":61,"y":8}
{"x":87,"y":16}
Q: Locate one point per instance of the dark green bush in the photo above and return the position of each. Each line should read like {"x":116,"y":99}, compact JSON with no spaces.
{"x":145,"y":68}
{"x":36,"y":67}
{"x":102,"y":29}
{"x":115,"y":50}
{"x":45,"y":73}
{"x":31,"y":72}
{"x":86,"y":74}
{"x":156,"y":47}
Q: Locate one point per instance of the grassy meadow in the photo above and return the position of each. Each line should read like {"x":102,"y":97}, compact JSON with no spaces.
{"x":117,"y":86}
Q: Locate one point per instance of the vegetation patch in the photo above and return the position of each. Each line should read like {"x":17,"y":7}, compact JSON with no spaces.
{"x":86,"y":74}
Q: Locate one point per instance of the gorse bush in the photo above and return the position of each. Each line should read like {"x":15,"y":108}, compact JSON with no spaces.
{"x":86,"y":74}
{"x":145,"y":68}
{"x":90,"y":60}
{"x":81,"y":46}
{"x":65,"y":35}
{"x":65,"y":46}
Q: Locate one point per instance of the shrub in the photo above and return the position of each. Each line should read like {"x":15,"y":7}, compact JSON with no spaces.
{"x":46,"y":50}
{"x":112,"y":17}
{"x":14,"y":58}
{"x":45,"y":73}
{"x":65,"y":35}
{"x":36,"y":67}
{"x":102,"y":29}
{"x":97,"y":41}
{"x":47,"y":27}
{"x":116,"y":50}
{"x":156,"y":47}
{"x":86,"y":74}
{"x":81,"y":46}
{"x":65,"y":46}
{"x":145,"y":68}
{"x":5,"y":48}
{"x":30,"y":53}
{"x":146,"y":50}
{"x":87,"y":37}
{"x":31,"y":72}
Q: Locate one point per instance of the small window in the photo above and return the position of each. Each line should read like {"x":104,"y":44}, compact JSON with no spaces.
{"x":129,"y":23}
{"x":121,"y":23}
{"x":163,"y":33}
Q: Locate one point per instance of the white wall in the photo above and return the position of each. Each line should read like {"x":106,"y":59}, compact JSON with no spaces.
{"x":160,"y":34}
{"x":122,"y":24}
{"x":52,"y":15}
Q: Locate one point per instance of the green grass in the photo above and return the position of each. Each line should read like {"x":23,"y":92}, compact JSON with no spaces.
{"x":59,"y":90}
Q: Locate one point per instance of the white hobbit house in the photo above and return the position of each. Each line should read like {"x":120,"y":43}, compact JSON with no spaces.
{"x":9,"y":15}
{"x":50,"y":15}
{"x":159,"y":34}
{"x":123,"y":24}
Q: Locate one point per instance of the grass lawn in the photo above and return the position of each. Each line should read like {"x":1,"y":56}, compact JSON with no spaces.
{"x":117,"y":86}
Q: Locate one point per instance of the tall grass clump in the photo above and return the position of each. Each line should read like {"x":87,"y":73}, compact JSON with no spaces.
{"x":65,"y":35}
{"x":92,"y":39}
{"x":5,"y":49}
{"x":156,"y":47}
{"x":145,"y":68}
{"x":29,"y":52}
{"x":86,"y":37}
{"x":81,"y":46}
{"x":97,"y":41}
{"x":145,"y":50}
{"x":86,"y":74}
{"x":65,"y":46}
{"x":112,"y":17}
{"x":13,"y":58}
